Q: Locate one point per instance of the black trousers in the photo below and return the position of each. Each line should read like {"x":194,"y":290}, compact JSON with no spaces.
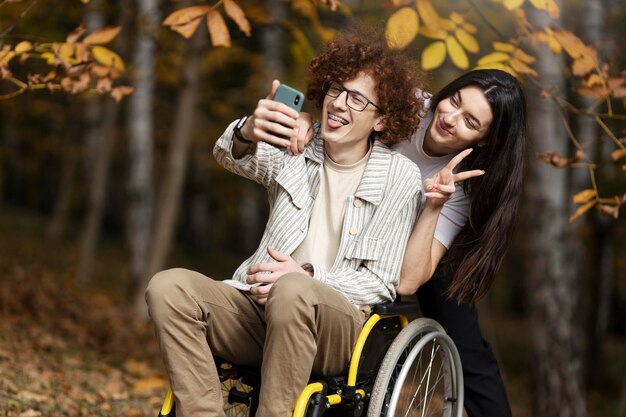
{"x":485,"y":395}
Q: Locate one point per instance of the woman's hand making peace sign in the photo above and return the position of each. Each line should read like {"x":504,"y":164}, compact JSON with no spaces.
{"x":440,"y":188}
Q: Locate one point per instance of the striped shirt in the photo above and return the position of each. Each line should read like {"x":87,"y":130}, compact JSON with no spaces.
{"x":377,"y":222}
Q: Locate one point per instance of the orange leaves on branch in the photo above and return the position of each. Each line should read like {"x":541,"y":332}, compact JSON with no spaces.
{"x":217,"y":29}
{"x":605,"y":206}
{"x":79,"y":65}
{"x":186,"y":21}
{"x":402,"y":27}
{"x":584,"y":196}
{"x":234,"y":12}
{"x":102,"y":36}
{"x":582,"y":210}
{"x":585,"y":57}
{"x":560,"y":161}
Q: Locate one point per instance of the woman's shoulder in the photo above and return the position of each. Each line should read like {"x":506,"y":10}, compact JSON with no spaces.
{"x":403,"y":167}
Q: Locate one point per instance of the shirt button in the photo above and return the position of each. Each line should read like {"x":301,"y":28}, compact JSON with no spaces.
{"x":353,"y":231}
{"x":357,"y":203}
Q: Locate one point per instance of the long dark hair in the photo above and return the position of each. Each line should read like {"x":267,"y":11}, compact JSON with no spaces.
{"x":478,"y":250}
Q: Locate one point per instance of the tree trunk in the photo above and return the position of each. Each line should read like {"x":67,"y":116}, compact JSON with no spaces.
{"x":141,"y":142}
{"x":601,"y":270}
{"x":170,"y":194}
{"x":63,"y":203}
{"x":97,"y":191}
{"x":101,"y":122}
{"x":552,"y":281}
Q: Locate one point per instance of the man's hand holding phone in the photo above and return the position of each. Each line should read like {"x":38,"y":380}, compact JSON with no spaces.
{"x":278,"y":123}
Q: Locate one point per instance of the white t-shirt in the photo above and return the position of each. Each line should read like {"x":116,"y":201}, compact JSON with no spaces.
{"x":455,"y":211}
{"x":337,"y":184}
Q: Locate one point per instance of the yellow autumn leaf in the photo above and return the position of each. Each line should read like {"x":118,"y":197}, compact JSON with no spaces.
{"x":66,"y":51}
{"x":493,"y":57}
{"x":512,"y":4}
{"x":7,"y":57}
{"x":457,"y":18}
{"x":23,"y":46}
{"x":503,"y":46}
{"x":107,"y":58}
{"x":186,"y":15}
{"x":433,"y":55}
{"x":523,"y":56}
{"x":428,"y":33}
{"x":548,"y":38}
{"x":539,"y":4}
{"x":428,"y":14}
{"x":572,"y":44}
{"x":457,"y":53}
{"x":187,"y":29}
{"x":553,"y":9}
{"x":447,"y":24}
{"x":217,"y":29}
{"x":80,"y":52}
{"x":48,"y":56}
{"x":234,"y":12}
{"x":522,"y":67}
{"x":584,"y":196}
{"x":584,"y":65}
{"x":402,"y":27}
{"x":101,"y":36}
{"x":469,"y":28}
{"x":467,"y":40}
{"x":118,"y":93}
{"x":581,"y":210}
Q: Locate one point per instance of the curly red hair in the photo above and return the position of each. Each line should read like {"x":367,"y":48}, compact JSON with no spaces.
{"x":363,"y":50}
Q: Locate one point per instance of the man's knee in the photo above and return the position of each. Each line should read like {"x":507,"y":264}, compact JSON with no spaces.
{"x":290,"y":293}
{"x":166,"y":291}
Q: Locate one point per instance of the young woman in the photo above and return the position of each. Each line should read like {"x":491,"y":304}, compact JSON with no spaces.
{"x":478,"y":123}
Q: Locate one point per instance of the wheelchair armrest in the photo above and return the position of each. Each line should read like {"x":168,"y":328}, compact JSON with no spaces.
{"x":397,"y":307}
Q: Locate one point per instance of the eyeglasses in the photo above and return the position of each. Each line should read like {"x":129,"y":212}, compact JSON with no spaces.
{"x":354,"y":99}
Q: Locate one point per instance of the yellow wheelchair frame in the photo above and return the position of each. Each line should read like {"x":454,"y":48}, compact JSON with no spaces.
{"x":410,"y":341}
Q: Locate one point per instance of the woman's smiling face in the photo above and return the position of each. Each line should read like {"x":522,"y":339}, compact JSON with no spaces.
{"x":459,"y":122}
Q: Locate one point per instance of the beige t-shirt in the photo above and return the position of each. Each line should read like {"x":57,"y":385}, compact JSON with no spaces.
{"x":337,"y":183}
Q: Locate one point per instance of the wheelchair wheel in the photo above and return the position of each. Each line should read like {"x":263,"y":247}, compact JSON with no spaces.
{"x":239,"y":398}
{"x":236,"y":398}
{"x":420,"y":375}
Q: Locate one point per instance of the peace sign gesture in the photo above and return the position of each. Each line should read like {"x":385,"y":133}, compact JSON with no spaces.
{"x":440,"y":188}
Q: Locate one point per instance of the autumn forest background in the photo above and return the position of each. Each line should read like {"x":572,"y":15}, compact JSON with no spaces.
{"x":108,"y":114}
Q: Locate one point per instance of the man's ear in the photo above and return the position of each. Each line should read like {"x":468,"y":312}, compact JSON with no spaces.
{"x":379,"y":126}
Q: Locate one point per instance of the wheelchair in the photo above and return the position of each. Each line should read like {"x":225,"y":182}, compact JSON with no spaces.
{"x":398,"y":368}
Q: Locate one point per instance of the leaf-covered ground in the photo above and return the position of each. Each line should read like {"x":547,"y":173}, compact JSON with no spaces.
{"x":65,"y":353}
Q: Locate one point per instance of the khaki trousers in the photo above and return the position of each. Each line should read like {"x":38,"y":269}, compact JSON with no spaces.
{"x":306,"y":329}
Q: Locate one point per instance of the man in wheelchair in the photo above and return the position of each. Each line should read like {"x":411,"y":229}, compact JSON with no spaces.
{"x":341,"y":212}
